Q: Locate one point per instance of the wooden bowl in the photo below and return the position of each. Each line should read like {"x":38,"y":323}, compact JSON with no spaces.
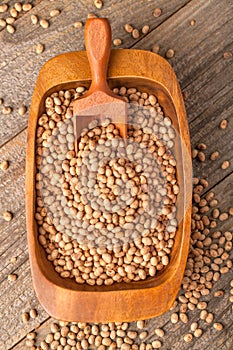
{"x":64,"y":298}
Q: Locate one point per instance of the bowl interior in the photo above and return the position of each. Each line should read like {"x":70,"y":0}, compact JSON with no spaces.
{"x":165,"y":100}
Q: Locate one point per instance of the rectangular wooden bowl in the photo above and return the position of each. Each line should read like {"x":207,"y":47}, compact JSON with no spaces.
{"x":64,"y":298}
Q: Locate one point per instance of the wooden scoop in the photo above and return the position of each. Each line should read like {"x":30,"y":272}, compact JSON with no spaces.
{"x":99,"y":102}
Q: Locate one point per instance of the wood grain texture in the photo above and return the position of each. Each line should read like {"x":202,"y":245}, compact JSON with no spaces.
{"x":16,"y":297}
{"x":15,"y":300}
{"x":202,"y":72}
{"x":207,"y":130}
{"x":195,"y":46}
{"x":20,"y":59}
{"x":204,"y":75}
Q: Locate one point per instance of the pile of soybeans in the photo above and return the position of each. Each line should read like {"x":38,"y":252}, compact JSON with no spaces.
{"x":106,"y":213}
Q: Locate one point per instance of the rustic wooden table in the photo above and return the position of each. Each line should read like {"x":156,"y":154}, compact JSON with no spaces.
{"x":203,"y":64}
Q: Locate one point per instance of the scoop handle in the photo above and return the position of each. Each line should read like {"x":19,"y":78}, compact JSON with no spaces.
{"x":98,"y":37}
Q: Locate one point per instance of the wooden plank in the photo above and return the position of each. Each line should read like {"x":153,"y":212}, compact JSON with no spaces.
{"x":20,"y":63}
{"x":201,"y":69}
{"x":12,"y":189}
{"x":206,"y":129}
{"x":42,"y":331}
{"x":193,"y":45}
{"x":204,"y":74}
{"x":202,"y":93}
{"x":17,"y":298}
